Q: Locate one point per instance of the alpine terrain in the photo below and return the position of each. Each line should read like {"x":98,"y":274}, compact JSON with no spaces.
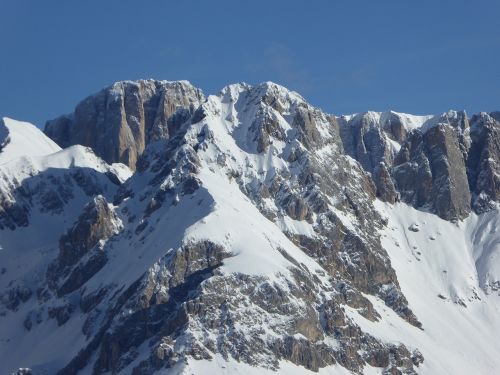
{"x":155,"y":230}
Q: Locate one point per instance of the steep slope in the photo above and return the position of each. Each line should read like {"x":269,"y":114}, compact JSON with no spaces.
{"x":250,"y":239}
{"x":442,"y":268}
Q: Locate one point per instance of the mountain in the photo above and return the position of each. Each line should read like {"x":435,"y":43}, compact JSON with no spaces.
{"x":248,"y":232}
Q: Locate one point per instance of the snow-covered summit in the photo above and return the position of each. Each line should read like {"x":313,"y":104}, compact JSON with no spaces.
{"x":18,"y":138}
{"x":262,"y":90}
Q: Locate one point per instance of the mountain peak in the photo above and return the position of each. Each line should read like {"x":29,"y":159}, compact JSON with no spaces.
{"x":120,"y":120}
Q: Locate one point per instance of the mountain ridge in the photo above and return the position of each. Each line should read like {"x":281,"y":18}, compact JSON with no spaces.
{"x":371,"y":138}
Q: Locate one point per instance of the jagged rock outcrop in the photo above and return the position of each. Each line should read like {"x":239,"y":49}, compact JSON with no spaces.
{"x":421,"y":159}
{"x":119,"y":121}
{"x":122,"y":119}
{"x":4,"y":135}
{"x":386,"y":190}
{"x":364,"y":139}
{"x":429,"y":172}
{"x":483,"y":164}
{"x":395,"y":127}
{"x":80,"y":248}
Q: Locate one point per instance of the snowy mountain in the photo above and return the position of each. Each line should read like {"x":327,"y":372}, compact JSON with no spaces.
{"x":245,"y":233}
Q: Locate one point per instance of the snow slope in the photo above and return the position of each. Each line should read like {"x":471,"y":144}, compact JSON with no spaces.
{"x":19,"y":139}
{"x":440,"y":274}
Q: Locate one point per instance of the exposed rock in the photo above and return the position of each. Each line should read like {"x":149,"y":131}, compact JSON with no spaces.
{"x":386,"y":190}
{"x":305,"y":121}
{"x":430,"y":172}
{"x":414,"y":227}
{"x":158,"y":307}
{"x":79,"y":256}
{"x":15,"y":296}
{"x":119,"y":121}
{"x":97,"y":222}
{"x":364,"y":140}
{"x":395,"y":128}
{"x":296,"y":208}
{"x":61,"y":313}
{"x":450,"y":193}
{"x":483,"y":164}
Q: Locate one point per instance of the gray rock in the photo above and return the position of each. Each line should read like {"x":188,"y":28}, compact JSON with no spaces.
{"x":386,"y":190}
{"x":364,"y":140}
{"x":97,"y":222}
{"x":430,"y":172}
{"x":79,"y":258}
{"x":395,"y":128}
{"x":414,"y":227}
{"x":183,"y":307}
{"x":119,"y":121}
{"x":483,"y":164}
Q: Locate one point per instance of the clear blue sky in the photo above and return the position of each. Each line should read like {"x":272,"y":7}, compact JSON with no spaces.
{"x":343,"y":56}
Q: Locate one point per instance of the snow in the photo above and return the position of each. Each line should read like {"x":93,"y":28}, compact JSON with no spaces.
{"x":485,"y":239}
{"x":74,"y":156}
{"x":460,"y":332}
{"x":256,"y":243}
{"x":409,"y":122}
{"x":236,"y":223}
{"x":219,"y":365}
{"x":18,"y":139}
{"x":289,"y":225}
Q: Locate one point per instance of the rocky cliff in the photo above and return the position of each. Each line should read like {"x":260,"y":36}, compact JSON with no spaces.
{"x":119,"y":121}
{"x":433,"y":161}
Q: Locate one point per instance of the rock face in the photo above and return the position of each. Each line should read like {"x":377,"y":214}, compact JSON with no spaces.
{"x":250,"y":231}
{"x":483,"y":160}
{"x":119,"y":121}
{"x":386,"y":190}
{"x":434,"y":163}
{"x":429,"y":171}
{"x":364,"y":140}
{"x":80,"y":257}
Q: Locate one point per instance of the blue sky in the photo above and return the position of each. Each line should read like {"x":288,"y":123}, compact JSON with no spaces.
{"x":342,"y":56}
